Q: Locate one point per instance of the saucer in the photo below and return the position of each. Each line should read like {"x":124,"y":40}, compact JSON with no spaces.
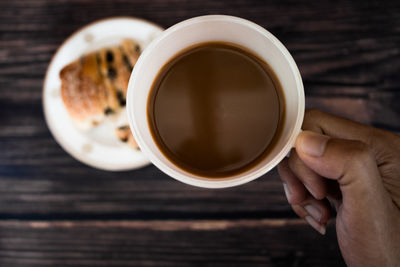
{"x":98,"y":147}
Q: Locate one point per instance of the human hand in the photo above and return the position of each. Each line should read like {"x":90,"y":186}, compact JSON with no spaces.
{"x":356,"y":169}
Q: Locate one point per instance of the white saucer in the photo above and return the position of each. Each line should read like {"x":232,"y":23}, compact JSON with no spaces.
{"x":98,"y":147}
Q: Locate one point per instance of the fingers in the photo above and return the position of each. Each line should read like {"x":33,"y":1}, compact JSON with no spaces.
{"x":318,"y":209}
{"x":315,"y":212}
{"x":294,"y":189}
{"x":314,"y":183}
{"x":348,"y":162}
{"x":335,"y":126}
{"x":333,"y":158}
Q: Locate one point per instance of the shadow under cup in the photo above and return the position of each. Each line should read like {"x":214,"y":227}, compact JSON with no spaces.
{"x":215,"y":28}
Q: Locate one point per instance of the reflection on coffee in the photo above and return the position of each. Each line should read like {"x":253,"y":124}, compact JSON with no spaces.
{"x":216,"y":109}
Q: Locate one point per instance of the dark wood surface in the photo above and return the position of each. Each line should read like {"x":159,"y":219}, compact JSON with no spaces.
{"x":55,"y":211}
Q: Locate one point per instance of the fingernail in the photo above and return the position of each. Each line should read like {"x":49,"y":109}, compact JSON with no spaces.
{"x":314,"y":212}
{"x":312,"y":143}
{"x":287,"y":192}
{"x":314,"y":224}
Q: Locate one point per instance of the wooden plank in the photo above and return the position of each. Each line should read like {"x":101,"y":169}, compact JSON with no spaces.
{"x":67,"y":214}
{"x":39,"y":180}
{"x":167,"y":243}
{"x":81,"y":192}
{"x":348,"y":54}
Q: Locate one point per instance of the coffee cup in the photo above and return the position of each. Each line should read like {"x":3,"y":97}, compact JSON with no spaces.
{"x":215,"y":28}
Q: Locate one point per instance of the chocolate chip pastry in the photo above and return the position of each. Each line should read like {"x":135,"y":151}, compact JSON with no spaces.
{"x":95,"y":85}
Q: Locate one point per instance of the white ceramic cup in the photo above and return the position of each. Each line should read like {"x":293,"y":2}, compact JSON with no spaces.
{"x":205,"y":29}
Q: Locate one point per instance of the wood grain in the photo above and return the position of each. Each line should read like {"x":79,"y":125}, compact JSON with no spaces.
{"x":66,"y":214}
{"x":167,"y":243}
{"x":348,"y":54}
{"x":143,"y":194}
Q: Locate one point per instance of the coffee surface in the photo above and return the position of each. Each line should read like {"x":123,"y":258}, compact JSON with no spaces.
{"x":215,"y":109}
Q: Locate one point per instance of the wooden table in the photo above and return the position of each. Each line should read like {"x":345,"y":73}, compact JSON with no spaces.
{"x":55,"y":211}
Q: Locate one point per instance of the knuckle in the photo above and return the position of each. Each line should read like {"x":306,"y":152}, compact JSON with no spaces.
{"x":299,"y":210}
{"x":296,"y":199}
{"x":320,"y":193}
{"x":360,"y":153}
{"x":296,"y":195}
{"x":295,"y":164}
{"x":382,"y":138}
{"x":293,"y":161}
{"x":312,"y":118}
{"x":312,"y":114}
{"x":360,"y":149}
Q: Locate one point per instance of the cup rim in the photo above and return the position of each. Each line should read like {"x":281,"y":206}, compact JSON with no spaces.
{"x":220,"y":182}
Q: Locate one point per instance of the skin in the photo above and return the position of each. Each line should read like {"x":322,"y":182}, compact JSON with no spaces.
{"x":355,"y":169}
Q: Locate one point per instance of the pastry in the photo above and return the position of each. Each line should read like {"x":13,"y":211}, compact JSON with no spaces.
{"x":95,"y":85}
{"x":124,"y":134}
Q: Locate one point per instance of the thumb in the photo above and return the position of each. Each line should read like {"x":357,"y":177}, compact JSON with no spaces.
{"x":349,"y":162}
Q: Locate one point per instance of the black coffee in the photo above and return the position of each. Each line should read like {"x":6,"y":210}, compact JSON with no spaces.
{"x":216,"y":109}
